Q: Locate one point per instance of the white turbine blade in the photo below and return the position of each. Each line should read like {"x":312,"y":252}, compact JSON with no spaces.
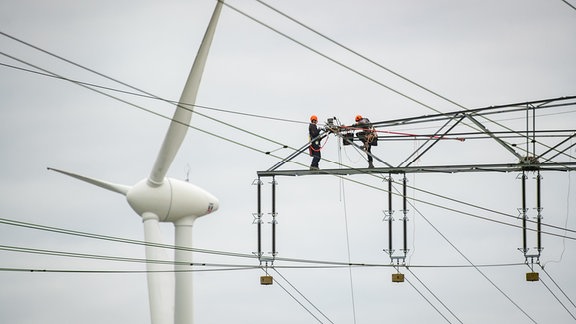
{"x":122,"y":189}
{"x":182,"y":116}
{"x":160,"y":280}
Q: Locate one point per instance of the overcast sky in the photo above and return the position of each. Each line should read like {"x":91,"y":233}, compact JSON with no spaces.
{"x":475,"y":53}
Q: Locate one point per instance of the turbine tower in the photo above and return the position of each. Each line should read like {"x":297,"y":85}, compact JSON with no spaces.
{"x":160,"y":199}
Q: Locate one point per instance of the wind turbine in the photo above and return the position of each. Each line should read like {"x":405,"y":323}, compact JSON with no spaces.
{"x":160,"y":199}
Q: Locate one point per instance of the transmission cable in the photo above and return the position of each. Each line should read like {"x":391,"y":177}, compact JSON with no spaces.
{"x":148,"y":110}
{"x":329,"y":58}
{"x":355,"y":52}
{"x":367,"y":59}
{"x":173,"y":102}
{"x":470,"y":262}
{"x":323,"y":263}
{"x":302,"y":295}
{"x":132,"y":104}
{"x":260,"y":151}
{"x":182,"y":105}
{"x":434,"y":295}
{"x":463,"y":203}
{"x":36,"y":270}
{"x":428,"y":300}
{"x":557,"y":286}
{"x":438,"y":205}
{"x":326,"y":57}
{"x":118,"y":239}
{"x":109,"y":78}
{"x":553,"y":294}
{"x":323,"y":55}
{"x":351,"y":278}
{"x":188,"y":125}
{"x":569,"y":4}
{"x":298,"y":301}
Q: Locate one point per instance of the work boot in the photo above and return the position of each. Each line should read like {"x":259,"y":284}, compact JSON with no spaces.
{"x":314,"y":168}
{"x":370,"y":165}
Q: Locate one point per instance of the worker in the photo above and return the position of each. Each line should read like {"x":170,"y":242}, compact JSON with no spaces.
{"x":366,"y":135}
{"x":314,"y":148}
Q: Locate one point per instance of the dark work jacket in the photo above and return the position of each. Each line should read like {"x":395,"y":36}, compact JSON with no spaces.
{"x":366,"y":126}
{"x":363,"y":123}
{"x":313,"y":131}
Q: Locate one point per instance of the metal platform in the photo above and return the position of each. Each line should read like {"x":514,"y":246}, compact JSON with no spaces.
{"x":507,"y":167}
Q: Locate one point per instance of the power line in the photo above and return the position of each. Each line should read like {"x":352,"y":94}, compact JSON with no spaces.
{"x":244,"y":145}
{"x":117,"y":239}
{"x":428,"y":301}
{"x":14,"y":38}
{"x":434,"y":295}
{"x":557,"y":299}
{"x":227,"y":139}
{"x":36,"y":270}
{"x":173,"y":102}
{"x":190,"y":126}
{"x":323,"y":263}
{"x":557,"y":286}
{"x":357,"y":54}
{"x":553,"y":294}
{"x":302,"y":295}
{"x":471,"y":263}
{"x":388,"y":137}
{"x":438,"y":205}
{"x":299,"y":302}
{"x":153,"y":112}
{"x":148,"y":110}
{"x":366,"y":59}
{"x":351,"y":279}
{"x":330,"y":59}
{"x":159,"y":115}
{"x":569,"y":4}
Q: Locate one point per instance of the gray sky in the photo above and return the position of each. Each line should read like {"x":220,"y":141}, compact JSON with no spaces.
{"x":476,"y":53}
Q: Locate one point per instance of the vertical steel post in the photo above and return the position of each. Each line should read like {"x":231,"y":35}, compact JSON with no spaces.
{"x":259,"y":217}
{"x":273,"y":216}
{"x":527,"y":130}
{"x":539,"y":217}
{"x":405,"y":211}
{"x":533,"y":130}
{"x":524,"y":249}
{"x":390,"y":214}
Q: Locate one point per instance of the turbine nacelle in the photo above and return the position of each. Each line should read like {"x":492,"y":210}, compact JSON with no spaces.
{"x":172,"y":200}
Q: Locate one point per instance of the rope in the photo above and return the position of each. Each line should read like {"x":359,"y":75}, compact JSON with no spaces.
{"x":321,"y":146}
{"x":461,"y":139}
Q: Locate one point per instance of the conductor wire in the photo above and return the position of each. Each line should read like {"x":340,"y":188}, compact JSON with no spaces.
{"x":558,"y":286}
{"x":553,"y":294}
{"x":298,"y":291}
{"x":436,"y":297}
{"x":343,"y":192}
{"x":296,"y":300}
{"x":472,"y":264}
{"x":428,"y":300}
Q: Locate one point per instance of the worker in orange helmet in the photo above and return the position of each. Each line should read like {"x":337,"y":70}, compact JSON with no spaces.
{"x":366,"y":135}
{"x":314,"y":147}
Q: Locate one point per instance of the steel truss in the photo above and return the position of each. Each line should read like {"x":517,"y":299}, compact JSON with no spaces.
{"x":543,"y":150}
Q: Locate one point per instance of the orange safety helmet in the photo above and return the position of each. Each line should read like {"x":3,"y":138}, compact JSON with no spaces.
{"x":358,"y":117}
{"x":313,"y":118}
